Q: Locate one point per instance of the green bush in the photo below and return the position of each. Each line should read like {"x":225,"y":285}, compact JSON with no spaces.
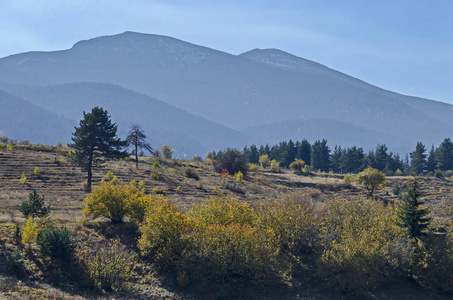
{"x":34,"y":206}
{"x":57,"y":243}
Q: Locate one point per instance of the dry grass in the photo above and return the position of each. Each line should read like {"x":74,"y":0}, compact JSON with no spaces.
{"x":60,"y":182}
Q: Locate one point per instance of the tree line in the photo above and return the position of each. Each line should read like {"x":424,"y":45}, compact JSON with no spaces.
{"x":353,"y":159}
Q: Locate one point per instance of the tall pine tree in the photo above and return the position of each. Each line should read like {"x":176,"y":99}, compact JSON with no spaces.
{"x":96,"y":135}
{"x":412,"y":215}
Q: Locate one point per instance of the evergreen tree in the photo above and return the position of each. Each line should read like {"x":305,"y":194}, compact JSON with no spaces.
{"x":444,"y":155}
{"x":303,"y":151}
{"x":96,"y":135}
{"x":353,"y":160}
{"x":336,"y":159}
{"x":137,"y":139}
{"x":411,"y":214}
{"x":431,"y":162}
{"x":34,"y":206}
{"x":253,"y":154}
{"x":380,"y":157}
{"x":320,"y":156}
{"x":418,"y":159}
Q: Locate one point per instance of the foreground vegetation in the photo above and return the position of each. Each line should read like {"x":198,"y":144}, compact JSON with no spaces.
{"x":165,"y":235}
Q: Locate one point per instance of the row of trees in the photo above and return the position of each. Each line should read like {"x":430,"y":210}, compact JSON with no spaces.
{"x":354,"y":159}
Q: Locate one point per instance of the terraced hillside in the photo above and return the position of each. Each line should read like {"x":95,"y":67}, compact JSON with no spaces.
{"x":62,"y":183}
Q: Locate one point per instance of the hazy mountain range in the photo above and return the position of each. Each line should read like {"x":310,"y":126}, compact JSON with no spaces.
{"x":198,"y":99}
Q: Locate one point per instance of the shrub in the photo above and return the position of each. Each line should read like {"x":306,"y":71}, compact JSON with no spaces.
{"x":109,"y":174}
{"x":363,"y":246}
{"x":224,"y":211}
{"x":23,"y":178}
{"x":264,"y":161}
{"x":191,"y":173}
{"x":231,"y":255}
{"x":239,"y":176}
{"x":253,"y":168}
{"x":434,"y":264}
{"x":109,"y":266}
{"x":30,"y":232}
{"x":162,"y":232}
{"x":57,"y":243}
{"x":196,"y":159}
{"x":275,"y":166}
{"x":114,"y":201}
{"x":297,"y":165}
{"x":16,"y":262}
{"x":232,"y":160}
{"x":296,"y":221}
{"x":9,"y":146}
{"x":36,"y":171}
{"x":348,"y":178}
{"x":34,"y":206}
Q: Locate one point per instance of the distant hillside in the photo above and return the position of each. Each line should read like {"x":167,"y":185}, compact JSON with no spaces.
{"x":163,"y":123}
{"x":21,"y":120}
{"x":258,"y":88}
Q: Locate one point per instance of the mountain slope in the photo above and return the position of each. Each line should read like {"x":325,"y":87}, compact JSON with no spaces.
{"x":21,"y":120}
{"x":257,"y":88}
{"x":164,"y":124}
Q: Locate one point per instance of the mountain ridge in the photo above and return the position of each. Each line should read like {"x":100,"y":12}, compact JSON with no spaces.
{"x":253,"y":89}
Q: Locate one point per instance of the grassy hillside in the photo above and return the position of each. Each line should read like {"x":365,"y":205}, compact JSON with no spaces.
{"x":62,"y":185}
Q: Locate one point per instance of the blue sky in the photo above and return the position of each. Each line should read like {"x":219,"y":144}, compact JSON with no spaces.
{"x":399,"y":45}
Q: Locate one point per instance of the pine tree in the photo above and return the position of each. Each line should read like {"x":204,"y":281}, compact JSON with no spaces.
{"x":431,"y":162}
{"x":137,"y":139}
{"x":320,"y":156}
{"x":34,"y":206}
{"x":444,"y":155}
{"x":418,"y":159}
{"x":96,"y":135}
{"x":412,"y":214}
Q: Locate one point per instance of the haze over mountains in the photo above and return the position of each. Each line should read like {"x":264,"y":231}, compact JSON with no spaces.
{"x":198,"y":99}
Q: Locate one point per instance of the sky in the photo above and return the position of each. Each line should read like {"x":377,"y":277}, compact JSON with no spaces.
{"x":403,"y":46}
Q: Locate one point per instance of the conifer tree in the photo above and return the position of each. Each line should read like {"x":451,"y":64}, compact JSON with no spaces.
{"x":412,"y":214}
{"x":96,"y":135}
{"x":418,"y":159}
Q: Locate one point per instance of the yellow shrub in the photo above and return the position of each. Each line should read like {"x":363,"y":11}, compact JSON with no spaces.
{"x":364,"y":247}
{"x":223,"y":210}
{"x":232,"y":254}
{"x":296,"y":221}
{"x":112,"y":201}
{"x":252,"y":167}
{"x":30,"y":232}
{"x":162,"y":231}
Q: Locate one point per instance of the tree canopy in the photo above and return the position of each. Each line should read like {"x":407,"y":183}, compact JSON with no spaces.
{"x":96,"y":135}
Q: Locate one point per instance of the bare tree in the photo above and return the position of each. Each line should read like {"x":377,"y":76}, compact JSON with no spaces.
{"x":137,"y":138}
